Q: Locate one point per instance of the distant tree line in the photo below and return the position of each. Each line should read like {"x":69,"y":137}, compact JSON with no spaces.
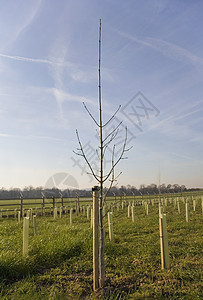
{"x":38,"y":192}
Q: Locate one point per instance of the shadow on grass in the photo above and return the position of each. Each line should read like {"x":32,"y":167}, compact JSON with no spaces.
{"x":12,"y":269}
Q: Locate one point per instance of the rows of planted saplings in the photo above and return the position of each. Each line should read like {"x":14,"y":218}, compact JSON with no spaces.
{"x":30,"y":244}
{"x":182,"y":204}
{"x":44,"y":206}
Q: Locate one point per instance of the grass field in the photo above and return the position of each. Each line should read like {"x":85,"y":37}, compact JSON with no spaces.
{"x":59,"y":265}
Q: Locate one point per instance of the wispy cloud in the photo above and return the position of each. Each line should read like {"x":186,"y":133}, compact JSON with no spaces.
{"x":168,"y":49}
{"x":172,"y":123}
{"x":35,"y":60}
{"x":174,"y":51}
{"x":57,"y":69}
{"x":83,"y":74}
{"x":70,"y":97}
{"x":20,"y":20}
{"x":30,"y":137}
{"x":185,"y":157}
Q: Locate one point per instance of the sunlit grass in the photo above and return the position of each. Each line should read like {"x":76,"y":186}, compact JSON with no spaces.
{"x":59,"y":264}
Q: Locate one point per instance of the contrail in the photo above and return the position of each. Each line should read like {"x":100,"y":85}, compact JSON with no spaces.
{"x":168,"y":49}
{"x":33,"y":60}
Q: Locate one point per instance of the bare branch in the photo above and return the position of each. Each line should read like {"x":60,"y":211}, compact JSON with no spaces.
{"x":111,"y":139}
{"x":120,"y":157}
{"x":113,"y":179}
{"x":113,"y":205}
{"x":83,"y":154}
{"x":112,"y":131}
{"x":112,"y":117}
{"x":126,"y":150}
{"x":79,"y":154}
{"x":90,"y":114}
{"x":88,"y":173}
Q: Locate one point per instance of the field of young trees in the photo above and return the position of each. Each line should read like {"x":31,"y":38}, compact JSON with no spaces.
{"x":58,"y":264}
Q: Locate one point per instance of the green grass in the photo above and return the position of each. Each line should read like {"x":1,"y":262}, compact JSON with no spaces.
{"x":59,"y":264}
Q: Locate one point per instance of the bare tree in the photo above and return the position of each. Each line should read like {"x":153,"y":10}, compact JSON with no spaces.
{"x":100,"y":176}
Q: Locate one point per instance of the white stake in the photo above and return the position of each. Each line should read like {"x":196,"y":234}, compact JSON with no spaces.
{"x":133,"y":214}
{"x":175,"y":200}
{"x":186,"y":211}
{"x":84,"y":210}
{"x":110,"y":223}
{"x":25,"y":235}
{"x":163,"y":242}
{"x":34,"y":225}
{"x":18,"y":216}
{"x":128,"y":211}
{"x":28,"y":214}
{"x":71,"y":215}
{"x":60,"y":212}
{"x":160,"y":209}
{"x":95,"y":215}
{"x":147,"y":209}
{"x":178,"y":206}
{"x":194,"y":204}
{"x":55,"y":213}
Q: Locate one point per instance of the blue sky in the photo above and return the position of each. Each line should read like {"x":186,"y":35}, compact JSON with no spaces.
{"x":151,"y":50}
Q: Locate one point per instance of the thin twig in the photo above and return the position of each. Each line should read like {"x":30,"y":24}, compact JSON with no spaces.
{"x":83,"y":154}
{"x":112,"y":179}
{"x":90,"y":114}
{"x":112,"y":117}
{"x":120,"y":157}
{"x":108,"y":143}
{"x":112,"y":131}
